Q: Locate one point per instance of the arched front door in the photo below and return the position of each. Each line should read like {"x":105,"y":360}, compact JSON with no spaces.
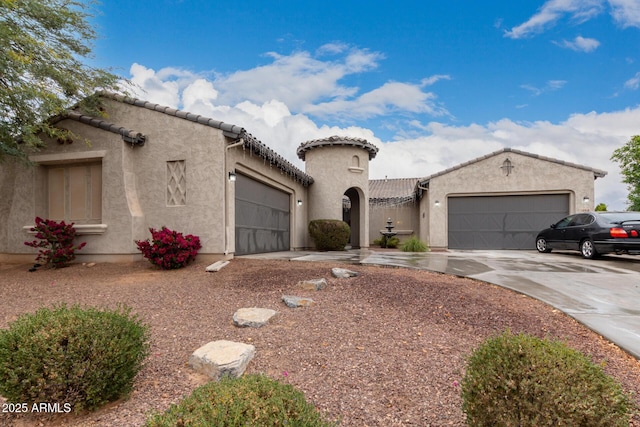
{"x":353,"y":215}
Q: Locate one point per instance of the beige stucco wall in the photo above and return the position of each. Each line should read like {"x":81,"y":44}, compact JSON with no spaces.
{"x":134,"y":183}
{"x":529,"y":175}
{"x":334,"y":171}
{"x":16,"y":206}
{"x":404,"y":217}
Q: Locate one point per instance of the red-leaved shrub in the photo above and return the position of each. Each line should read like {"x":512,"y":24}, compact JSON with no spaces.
{"x":56,"y":242}
{"x":169,"y":249}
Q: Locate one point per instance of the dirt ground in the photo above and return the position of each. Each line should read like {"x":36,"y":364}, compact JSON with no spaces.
{"x":386,"y":348}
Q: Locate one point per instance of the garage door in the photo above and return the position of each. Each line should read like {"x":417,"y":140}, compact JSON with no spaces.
{"x":502,"y":222}
{"x":262,"y":217}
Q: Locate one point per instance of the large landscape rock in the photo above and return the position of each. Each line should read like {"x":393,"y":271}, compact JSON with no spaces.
{"x":294,"y":302}
{"x":253,"y":317}
{"x":312,"y":284}
{"x":222,"y":358}
{"x":343,"y":273}
{"x":217,"y":266}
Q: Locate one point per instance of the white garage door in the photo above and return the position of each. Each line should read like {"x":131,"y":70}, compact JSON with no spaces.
{"x":502,"y":222}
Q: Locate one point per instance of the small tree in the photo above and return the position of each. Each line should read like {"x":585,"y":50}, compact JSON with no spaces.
{"x":42,"y":45}
{"x":628,"y":156}
{"x":601,"y":207}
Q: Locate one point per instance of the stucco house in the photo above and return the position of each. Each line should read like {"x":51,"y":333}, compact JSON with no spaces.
{"x":145,"y":165}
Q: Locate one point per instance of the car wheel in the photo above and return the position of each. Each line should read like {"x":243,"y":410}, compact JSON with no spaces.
{"x":588,"y":250}
{"x":541,"y":245}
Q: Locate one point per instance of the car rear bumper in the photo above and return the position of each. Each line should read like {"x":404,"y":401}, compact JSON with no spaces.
{"x":618,"y":245}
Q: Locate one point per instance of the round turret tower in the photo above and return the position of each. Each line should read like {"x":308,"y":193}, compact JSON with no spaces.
{"x":340,"y":168}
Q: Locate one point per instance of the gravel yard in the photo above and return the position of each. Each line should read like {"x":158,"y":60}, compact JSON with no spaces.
{"x":386,"y":348}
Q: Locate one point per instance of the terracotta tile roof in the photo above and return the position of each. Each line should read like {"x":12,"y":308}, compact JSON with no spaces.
{"x":335,"y":141}
{"x":392,"y":191}
{"x":128,"y":135}
{"x":229,"y":130}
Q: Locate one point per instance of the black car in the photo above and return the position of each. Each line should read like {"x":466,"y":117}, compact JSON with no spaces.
{"x":593,"y":234}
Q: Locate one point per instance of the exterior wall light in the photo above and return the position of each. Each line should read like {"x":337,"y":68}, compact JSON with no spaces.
{"x":299,"y":202}
{"x":437,"y":203}
{"x":232,"y":176}
{"x":585,"y":199}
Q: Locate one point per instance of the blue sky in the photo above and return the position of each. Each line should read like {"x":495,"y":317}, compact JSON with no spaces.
{"x":431,"y":83}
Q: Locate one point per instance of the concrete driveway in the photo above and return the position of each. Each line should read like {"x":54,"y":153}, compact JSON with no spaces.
{"x":602,"y":294}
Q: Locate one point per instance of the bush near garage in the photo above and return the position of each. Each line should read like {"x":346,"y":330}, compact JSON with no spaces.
{"x":169,"y":249}
{"x":251,"y":400}
{"x":387,"y":242}
{"x":521,"y":380}
{"x":329,"y":234}
{"x":80,"y":357}
{"x":414,"y":245}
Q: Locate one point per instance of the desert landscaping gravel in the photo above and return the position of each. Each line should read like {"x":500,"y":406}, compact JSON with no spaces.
{"x":385,"y":348}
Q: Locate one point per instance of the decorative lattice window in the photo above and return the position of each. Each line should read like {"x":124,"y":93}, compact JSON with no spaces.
{"x":176,"y":183}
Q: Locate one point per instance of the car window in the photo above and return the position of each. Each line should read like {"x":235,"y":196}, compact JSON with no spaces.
{"x":564,"y":222}
{"x":621,"y":216}
{"x":581,"y":219}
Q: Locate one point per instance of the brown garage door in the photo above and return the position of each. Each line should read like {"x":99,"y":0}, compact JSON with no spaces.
{"x":262,"y":217}
{"x":502,"y":222}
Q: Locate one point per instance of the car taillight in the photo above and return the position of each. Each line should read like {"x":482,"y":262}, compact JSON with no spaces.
{"x":618,"y":233}
{"x":634,"y":233}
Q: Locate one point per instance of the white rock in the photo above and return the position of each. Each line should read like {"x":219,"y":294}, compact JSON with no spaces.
{"x":221,"y":358}
{"x":217,"y":266}
{"x":343,"y":273}
{"x":253,"y":317}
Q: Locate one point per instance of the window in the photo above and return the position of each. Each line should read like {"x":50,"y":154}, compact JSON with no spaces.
{"x":75,"y":193}
{"x":581,"y":219}
{"x":564,"y":222}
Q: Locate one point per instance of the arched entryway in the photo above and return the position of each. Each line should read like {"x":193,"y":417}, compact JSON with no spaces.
{"x":352,"y":214}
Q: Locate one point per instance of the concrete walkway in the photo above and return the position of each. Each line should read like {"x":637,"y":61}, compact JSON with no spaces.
{"x":602,"y":294}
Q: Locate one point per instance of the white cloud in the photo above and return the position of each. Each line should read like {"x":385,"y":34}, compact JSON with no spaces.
{"x":550,"y":86}
{"x":580,"y":44}
{"x":587,"y":139}
{"x":390,"y":97}
{"x":298,"y":79}
{"x":199,"y":95}
{"x":149,"y":85}
{"x":626,"y":12}
{"x":553,"y":10}
{"x":633,"y":83}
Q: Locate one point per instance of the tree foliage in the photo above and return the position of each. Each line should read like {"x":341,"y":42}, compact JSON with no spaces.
{"x":601,"y":207}
{"x":42,"y":47}
{"x":628,"y":156}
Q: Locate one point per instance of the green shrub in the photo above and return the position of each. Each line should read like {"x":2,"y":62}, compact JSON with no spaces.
{"x":81,"y":357}
{"x":329,"y":234}
{"x":251,"y":400}
{"x":414,"y":245}
{"x":387,"y":242}
{"x":520,"y":380}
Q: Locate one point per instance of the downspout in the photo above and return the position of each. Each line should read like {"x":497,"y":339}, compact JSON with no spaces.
{"x":226,"y":195}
